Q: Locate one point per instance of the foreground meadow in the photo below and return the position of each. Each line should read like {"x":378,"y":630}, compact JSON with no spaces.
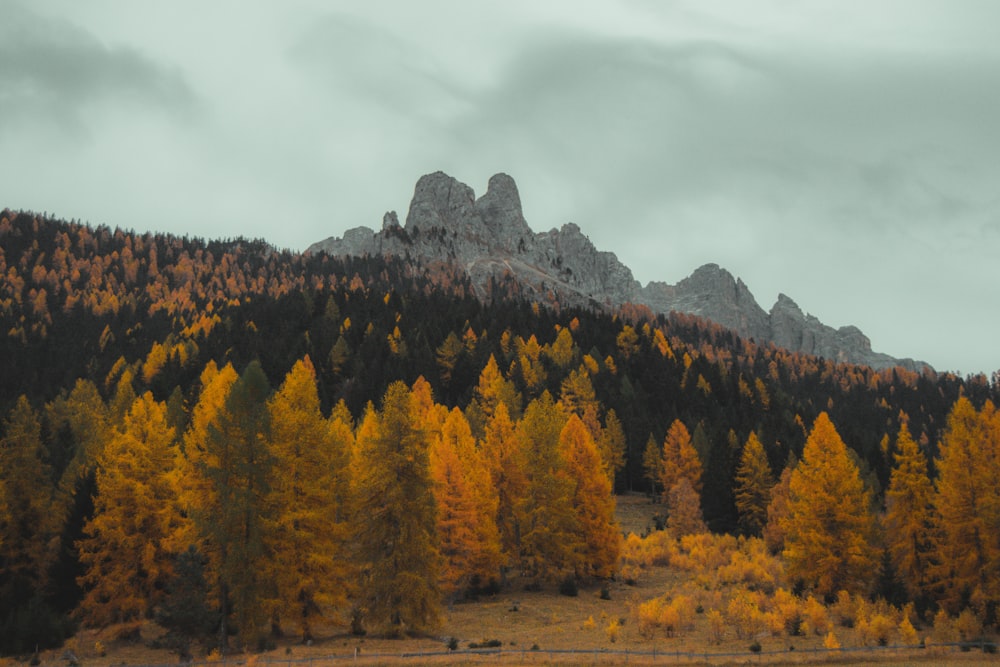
{"x":701,"y":600}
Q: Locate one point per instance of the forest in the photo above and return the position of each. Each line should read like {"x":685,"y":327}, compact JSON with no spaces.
{"x":237,"y":441}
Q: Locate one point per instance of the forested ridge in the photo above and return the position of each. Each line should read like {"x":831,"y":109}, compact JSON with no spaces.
{"x":209,"y":378}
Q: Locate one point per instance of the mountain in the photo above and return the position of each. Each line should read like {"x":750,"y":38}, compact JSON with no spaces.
{"x":489,"y":239}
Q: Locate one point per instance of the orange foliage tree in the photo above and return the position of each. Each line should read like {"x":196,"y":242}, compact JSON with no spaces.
{"x":909,"y":516}
{"x":829,"y":530}
{"x":968,"y":505}
{"x":306,"y":531}
{"x":546,"y":518}
{"x":466,"y":509}
{"x":753,"y":486}
{"x":126,"y":549}
{"x":395,"y":518}
{"x":680,"y":459}
{"x":598,"y":538}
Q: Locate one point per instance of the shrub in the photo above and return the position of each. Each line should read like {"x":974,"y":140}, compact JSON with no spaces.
{"x":605,"y":593}
{"x":716,"y":626}
{"x":452,"y":643}
{"x":907,"y":633}
{"x":649,"y":613}
{"x":755,"y":647}
{"x":612,"y":630}
{"x":744,"y":614}
{"x":880,"y":628}
{"x":787,"y":608}
{"x":815,"y":618}
{"x":568,"y":587}
{"x":670,"y":619}
{"x":589,"y":624}
{"x":844,"y":609}
{"x":968,"y":626}
{"x":944,"y":630}
{"x":830,"y":641}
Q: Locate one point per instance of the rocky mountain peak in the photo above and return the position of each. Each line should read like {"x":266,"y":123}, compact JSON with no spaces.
{"x":489,"y":239}
{"x":500,"y":209}
{"x":439,"y":201}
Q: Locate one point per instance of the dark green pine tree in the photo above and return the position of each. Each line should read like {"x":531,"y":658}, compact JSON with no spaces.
{"x":185,"y":612}
{"x":237,"y":441}
{"x":396,"y":518}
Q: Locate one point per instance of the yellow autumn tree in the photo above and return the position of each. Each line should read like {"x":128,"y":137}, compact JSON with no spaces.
{"x":968,"y":506}
{"x":546,"y":517}
{"x":124,"y":551}
{"x":501,"y":450}
{"x":84,"y":414}
{"x":684,"y":516}
{"x":194,"y":491}
{"x":777,"y":511}
{"x":652,"y":463}
{"x":680,"y":459}
{"x":466,"y":510}
{"x":612,"y":443}
{"x":306,"y":532}
{"x":909,"y":515}
{"x":448,"y":355}
{"x":576,"y":392}
{"x":829,"y":530}
{"x":753,"y":486}
{"x":597,"y":539}
{"x":395,"y":525}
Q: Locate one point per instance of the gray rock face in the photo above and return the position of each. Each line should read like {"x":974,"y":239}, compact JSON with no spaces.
{"x":490,"y":239}
{"x":713,"y":293}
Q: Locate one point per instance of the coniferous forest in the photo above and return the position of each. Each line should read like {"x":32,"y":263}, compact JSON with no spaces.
{"x":233,"y":440}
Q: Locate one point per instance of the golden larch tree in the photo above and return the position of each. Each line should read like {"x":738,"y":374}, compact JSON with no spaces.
{"x":576,"y":392}
{"x":909,"y":515}
{"x":598,"y":538}
{"x":501,"y":450}
{"x":125,"y":549}
{"x":490,"y":391}
{"x":194,"y":491}
{"x":680,"y":459}
{"x":753,"y":486}
{"x":395,"y":518}
{"x":546,"y":516}
{"x":306,"y":531}
{"x":612,"y":444}
{"x":684,"y":516}
{"x":466,"y":509}
{"x":829,"y":530}
{"x":652,"y":463}
{"x":777,"y":511}
{"x":968,"y":507}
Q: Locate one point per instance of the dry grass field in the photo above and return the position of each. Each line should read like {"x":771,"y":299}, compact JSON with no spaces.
{"x":533,"y":627}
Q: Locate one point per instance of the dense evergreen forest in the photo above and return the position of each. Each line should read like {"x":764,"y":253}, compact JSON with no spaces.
{"x":105,"y":325}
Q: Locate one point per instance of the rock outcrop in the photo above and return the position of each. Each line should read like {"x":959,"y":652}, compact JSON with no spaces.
{"x":489,"y":239}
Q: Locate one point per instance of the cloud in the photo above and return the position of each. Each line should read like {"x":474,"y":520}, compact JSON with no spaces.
{"x":55,"y":73}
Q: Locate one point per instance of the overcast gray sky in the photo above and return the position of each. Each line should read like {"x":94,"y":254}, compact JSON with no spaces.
{"x":844,"y":152}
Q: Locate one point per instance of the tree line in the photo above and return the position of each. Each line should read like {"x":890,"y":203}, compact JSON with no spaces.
{"x":94,"y":317}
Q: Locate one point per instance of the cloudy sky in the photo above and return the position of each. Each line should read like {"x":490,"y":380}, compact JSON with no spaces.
{"x":844,"y":152}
